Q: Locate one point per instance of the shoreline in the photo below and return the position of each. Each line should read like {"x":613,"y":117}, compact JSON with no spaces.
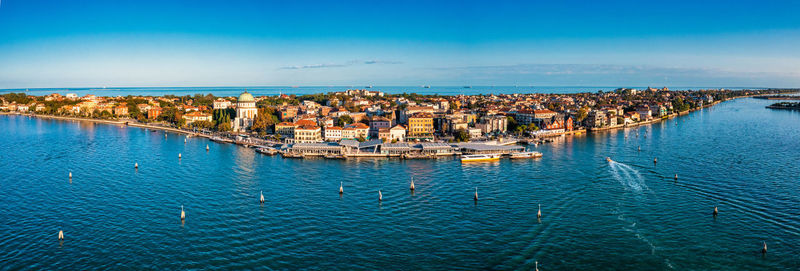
{"x":542,"y":138}
{"x":661,"y":119}
{"x":110,"y":122}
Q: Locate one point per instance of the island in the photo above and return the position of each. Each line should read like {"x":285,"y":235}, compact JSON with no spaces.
{"x":370,"y":123}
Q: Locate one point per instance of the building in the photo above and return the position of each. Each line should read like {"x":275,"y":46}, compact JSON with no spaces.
{"x":355,"y":131}
{"x":246,"y":112}
{"x":333,"y":133}
{"x":285,"y":129}
{"x":378,"y":123}
{"x":121,"y":110}
{"x":420,"y":125}
{"x":493,"y":124}
{"x":644,"y":112}
{"x":397,"y":132}
{"x":197,"y":116}
{"x":221,"y":104}
{"x":474,"y":132}
{"x":596,"y":119}
{"x":524,"y":117}
{"x":153,"y":112}
{"x":307,"y":134}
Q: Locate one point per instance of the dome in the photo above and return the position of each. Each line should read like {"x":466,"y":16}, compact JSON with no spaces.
{"x":246,"y":97}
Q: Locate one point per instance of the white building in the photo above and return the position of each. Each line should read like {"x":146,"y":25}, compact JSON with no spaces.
{"x":474,"y":132}
{"x":221,"y":104}
{"x":333,"y":133}
{"x":246,"y":112}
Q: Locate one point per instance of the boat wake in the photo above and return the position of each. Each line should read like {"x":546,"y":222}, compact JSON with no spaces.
{"x":628,"y":176}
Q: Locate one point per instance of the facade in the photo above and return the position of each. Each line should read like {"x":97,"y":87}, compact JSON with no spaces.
{"x":420,"y":124}
{"x":333,"y":133}
{"x":221,"y":104}
{"x":378,"y":123}
{"x":153,"y":112}
{"x":121,"y":110}
{"x":355,"y":131}
{"x":197,"y":116}
{"x":307,"y":134}
{"x":474,"y":132}
{"x":246,"y":112}
{"x":285,"y":129}
{"x":493,"y":124}
{"x":397,"y":132}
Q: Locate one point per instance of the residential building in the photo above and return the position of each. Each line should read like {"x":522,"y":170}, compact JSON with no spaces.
{"x":285,"y":129}
{"x":307,"y":134}
{"x":197,"y":116}
{"x":420,"y":124}
{"x":333,"y":133}
{"x":221,"y":104}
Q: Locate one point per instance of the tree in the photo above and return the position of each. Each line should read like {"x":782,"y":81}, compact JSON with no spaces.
{"x":512,"y":124}
{"x":203,"y":124}
{"x":461,"y":135}
{"x":264,"y":121}
{"x":224,"y":127}
{"x":343,"y":120}
{"x":582,"y":113}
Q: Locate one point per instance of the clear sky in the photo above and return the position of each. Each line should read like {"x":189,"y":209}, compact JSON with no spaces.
{"x":91,"y":43}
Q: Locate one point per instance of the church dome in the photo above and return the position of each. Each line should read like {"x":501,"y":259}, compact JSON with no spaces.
{"x":246,"y":97}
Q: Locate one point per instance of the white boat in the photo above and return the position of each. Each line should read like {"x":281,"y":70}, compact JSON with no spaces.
{"x":267,"y":151}
{"x":221,"y":139}
{"x":480,"y":157}
{"x":526,"y":154}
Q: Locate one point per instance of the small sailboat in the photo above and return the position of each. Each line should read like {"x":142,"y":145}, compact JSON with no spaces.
{"x":380,"y":196}
{"x":412,"y":184}
{"x":60,"y":235}
{"x":475,"y":197}
{"x":206,"y":147}
{"x":341,"y":188}
{"x":179,"y":156}
{"x":764,"y":249}
{"x":183,"y":214}
{"x":262,"y":197}
{"x":136,"y":165}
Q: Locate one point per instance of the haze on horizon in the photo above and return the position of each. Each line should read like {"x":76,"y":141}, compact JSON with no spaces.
{"x":543,"y":43}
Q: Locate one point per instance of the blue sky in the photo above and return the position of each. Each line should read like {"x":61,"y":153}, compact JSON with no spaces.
{"x":547,"y":43}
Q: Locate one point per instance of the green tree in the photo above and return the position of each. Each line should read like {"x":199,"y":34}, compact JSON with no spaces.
{"x":343,"y":120}
{"x":582,"y":113}
{"x":512,"y":124}
{"x":264,"y":121}
{"x":203,"y":124}
{"x":461,"y":135}
{"x":224,"y":127}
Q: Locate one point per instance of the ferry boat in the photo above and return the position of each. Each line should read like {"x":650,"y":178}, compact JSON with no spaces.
{"x":526,"y":154}
{"x":480,"y":157}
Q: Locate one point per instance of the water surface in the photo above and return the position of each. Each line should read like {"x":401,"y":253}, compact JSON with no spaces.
{"x":629,"y":214}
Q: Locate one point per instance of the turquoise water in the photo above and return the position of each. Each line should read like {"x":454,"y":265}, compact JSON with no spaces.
{"x":597,"y":215}
{"x":301,"y":90}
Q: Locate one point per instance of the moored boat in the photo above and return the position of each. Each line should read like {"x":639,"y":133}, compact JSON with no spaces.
{"x":480,"y":157}
{"x":221,"y":139}
{"x":526,"y":154}
{"x":267,"y":151}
